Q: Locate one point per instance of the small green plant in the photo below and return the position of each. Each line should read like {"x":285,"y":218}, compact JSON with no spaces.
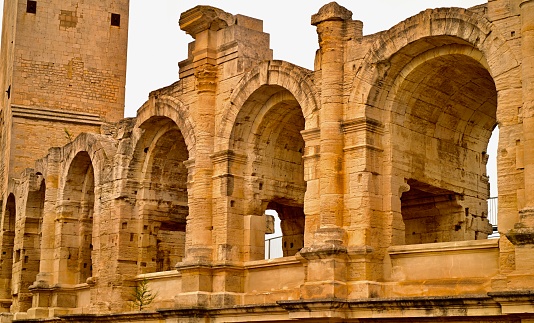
{"x":142,"y":295}
{"x":68,"y":135}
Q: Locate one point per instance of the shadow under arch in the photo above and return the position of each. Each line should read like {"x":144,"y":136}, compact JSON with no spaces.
{"x":268,"y":131}
{"x":433,"y":28}
{"x":433,"y":81}
{"x":99,"y":148}
{"x":158,"y":183}
{"x":172,"y":108}
{"x":8,"y":240}
{"x":75,"y":209}
{"x":28,"y":253}
{"x":296,"y":80}
{"x":438,"y":99}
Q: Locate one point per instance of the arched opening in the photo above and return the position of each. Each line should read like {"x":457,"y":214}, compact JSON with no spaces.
{"x":273,"y":235}
{"x":268,"y":129}
{"x":443,"y":116}
{"x":76,"y":213}
{"x":162,"y":197}
{"x":289,"y":226}
{"x":27,"y":260}
{"x":8,"y":241}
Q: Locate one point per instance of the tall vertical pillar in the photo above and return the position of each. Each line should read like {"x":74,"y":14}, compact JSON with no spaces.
{"x":325,"y":258}
{"x":203,"y":24}
{"x":527,"y":78}
{"x":42,"y":288}
{"x":331,"y":22}
{"x":522,"y":235}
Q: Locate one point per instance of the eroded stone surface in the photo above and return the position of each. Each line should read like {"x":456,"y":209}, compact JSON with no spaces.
{"x":375,"y":163}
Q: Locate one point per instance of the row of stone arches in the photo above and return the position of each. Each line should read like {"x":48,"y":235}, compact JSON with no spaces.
{"x":430,"y":107}
{"x":21,"y":241}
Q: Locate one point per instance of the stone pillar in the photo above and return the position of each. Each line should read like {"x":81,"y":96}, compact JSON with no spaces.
{"x":202,"y":23}
{"x":527,"y":76}
{"x":42,"y":287}
{"x":522,"y":235}
{"x":199,"y":224}
{"x":325,"y":259}
{"x":331,"y":21}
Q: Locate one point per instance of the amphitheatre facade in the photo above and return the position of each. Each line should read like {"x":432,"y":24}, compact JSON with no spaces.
{"x":374,"y":161}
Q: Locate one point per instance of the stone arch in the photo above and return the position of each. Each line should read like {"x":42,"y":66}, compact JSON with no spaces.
{"x":75,"y":209}
{"x":158,"y":181}
{"x":263,"y":120}
{"x":28,"y":243}
{"x":99,"y":148}
{"x":441,"y":144}
{"x":8,"y":240}
{"x":453,"y":25}
{"x":174,"y":109}
{"x":296,"y":80}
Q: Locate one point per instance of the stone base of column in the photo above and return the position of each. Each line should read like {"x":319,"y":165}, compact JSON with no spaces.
{"x":209,"y":286}
{"x":326,"y":268}
{"x":207,"y":300}
{"x":522,"y":236}
{"x":199,"y":255}
{"x":192,"y":300}
{"x":328,"y":238}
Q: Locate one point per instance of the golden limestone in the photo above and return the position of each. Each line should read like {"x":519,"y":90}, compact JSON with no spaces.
{"x":371,"y":167}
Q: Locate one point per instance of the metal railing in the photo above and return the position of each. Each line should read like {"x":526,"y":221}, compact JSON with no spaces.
{"x":493,"y":204}
{"x":273,"y":247}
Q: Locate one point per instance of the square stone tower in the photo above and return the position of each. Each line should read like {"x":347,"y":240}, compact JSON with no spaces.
{"x":62,"y":72}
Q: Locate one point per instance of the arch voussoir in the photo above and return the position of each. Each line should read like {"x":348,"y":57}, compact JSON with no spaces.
{"x":297,"y":80}
{"x":466,"y":26}
{"x":174,"y":109}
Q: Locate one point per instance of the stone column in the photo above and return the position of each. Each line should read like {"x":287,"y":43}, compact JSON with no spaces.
{"x":325,"y":259}
{"x":527,"y":76}
{"x":203,"y":24}
{"x":331,"y":22}
{"x":43,"y":286}
{"x":199,"y":224}
{"x":522,"y":235}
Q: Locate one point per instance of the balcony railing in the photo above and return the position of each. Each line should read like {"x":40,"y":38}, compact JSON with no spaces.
{"x":273,"y":247}
{"x":493,"y":203}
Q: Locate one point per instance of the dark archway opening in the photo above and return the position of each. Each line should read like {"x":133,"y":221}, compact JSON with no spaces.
{"x":27,"y":260}
{"x":445,"y":114}
{"x":162,"y":197}
{"x":292,"y":222}
{"x":8,"y":242}
{"x":77,"y":215}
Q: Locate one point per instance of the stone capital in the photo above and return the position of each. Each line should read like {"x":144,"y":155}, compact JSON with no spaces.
{"x":202,"y":18}
{"x":331,"y":12}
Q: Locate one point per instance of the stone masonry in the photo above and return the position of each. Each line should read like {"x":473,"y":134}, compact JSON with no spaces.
{"x":375,"y":163}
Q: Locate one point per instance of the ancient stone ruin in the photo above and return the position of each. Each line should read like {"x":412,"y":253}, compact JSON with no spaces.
{"x":374,"y":164}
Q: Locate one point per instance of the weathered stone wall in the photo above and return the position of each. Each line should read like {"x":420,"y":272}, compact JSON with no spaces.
{"x":6,"y":70}
{"x":70,"y":57}
{"x":68,"y":69}
{"x":375,"y":162}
